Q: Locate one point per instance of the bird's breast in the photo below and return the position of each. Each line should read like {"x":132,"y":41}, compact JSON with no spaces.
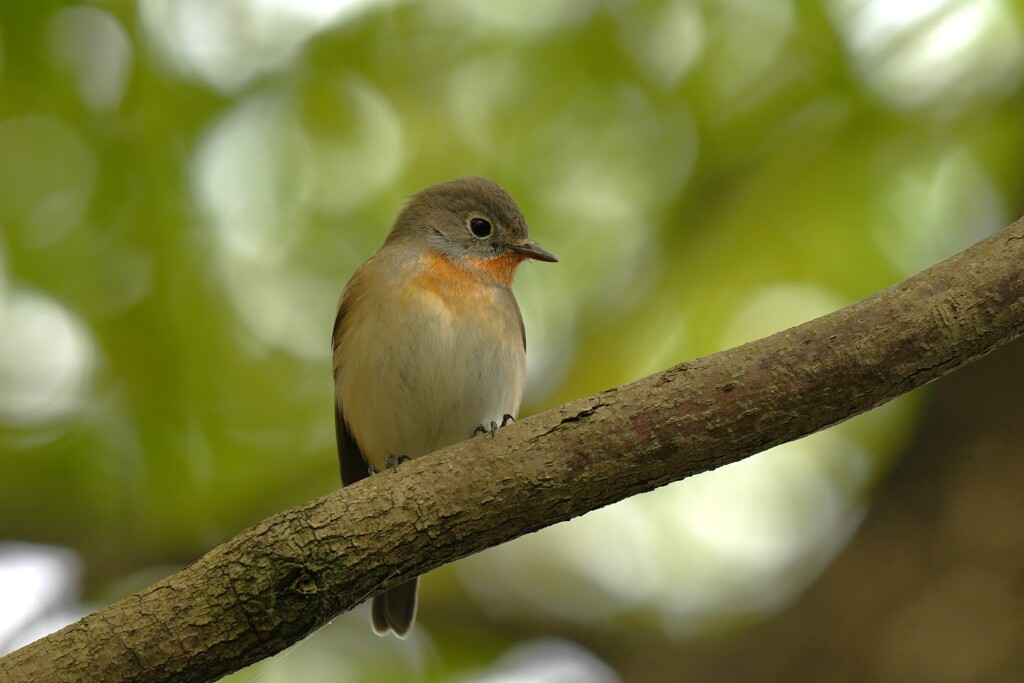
{"x":428,"y":362}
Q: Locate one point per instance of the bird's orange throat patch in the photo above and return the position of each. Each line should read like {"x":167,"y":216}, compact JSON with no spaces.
{"x":445,"y":278}
{"x":501,"y":269}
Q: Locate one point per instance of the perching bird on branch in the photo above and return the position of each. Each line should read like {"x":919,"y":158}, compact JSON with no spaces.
{"x":429,"y":346}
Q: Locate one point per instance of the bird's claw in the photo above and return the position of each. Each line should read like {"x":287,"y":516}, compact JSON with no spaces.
{"x":394,"y":461}
{"x":505,"y":419}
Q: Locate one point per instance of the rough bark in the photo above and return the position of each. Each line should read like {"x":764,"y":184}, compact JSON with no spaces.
{"x":279,"y":580}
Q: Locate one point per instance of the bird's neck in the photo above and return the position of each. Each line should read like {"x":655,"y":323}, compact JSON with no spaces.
{"x":499,"y":270}
{"x":471,"y":271}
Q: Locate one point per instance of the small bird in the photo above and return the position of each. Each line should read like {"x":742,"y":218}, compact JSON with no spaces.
{"x":429,"y":346}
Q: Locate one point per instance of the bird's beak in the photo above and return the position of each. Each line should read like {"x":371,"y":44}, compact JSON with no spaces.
{"x":532,"y":250}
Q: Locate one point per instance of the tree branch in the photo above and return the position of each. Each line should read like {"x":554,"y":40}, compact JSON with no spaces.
{"x":290,"y":574}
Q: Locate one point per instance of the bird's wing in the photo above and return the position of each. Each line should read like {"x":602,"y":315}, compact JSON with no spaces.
{"x":353,"y":465}
{"x":519,"y":318}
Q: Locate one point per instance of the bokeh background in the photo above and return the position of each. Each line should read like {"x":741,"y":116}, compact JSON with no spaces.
{"x":186,"y":185}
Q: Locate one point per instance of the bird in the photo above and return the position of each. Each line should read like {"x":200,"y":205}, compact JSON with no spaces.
{"x":429,"y":346}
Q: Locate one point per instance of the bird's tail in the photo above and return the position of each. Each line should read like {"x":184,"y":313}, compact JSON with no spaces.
{"x":395,"y":609}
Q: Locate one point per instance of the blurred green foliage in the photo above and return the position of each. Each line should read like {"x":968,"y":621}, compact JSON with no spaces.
{"x":185,"y":187}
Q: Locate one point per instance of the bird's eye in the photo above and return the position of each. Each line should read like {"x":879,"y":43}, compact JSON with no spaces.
{"x":481,"y":227}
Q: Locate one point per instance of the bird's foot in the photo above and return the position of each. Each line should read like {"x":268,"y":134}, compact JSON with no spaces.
{"x":480,"y":429}
{"x":394,"y":461}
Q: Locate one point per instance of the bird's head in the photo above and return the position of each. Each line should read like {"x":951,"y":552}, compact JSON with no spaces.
{"x":471,"y":222}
